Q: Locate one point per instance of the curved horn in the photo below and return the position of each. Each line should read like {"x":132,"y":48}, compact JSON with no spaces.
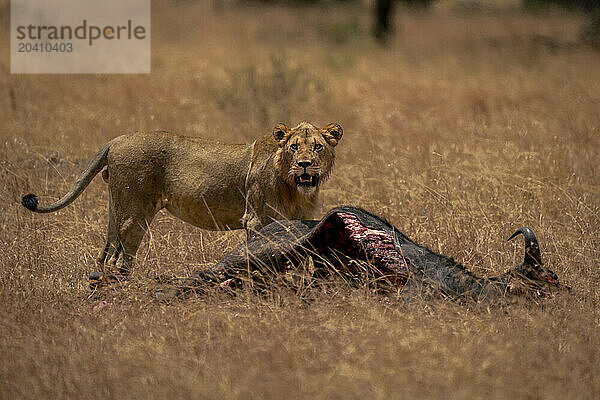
{"x":532,"y":248}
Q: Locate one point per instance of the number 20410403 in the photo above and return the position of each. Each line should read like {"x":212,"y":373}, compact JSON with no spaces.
{"x":37,"y":47}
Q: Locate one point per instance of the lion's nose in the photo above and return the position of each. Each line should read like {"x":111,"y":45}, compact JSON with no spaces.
{"x":304,"y":164}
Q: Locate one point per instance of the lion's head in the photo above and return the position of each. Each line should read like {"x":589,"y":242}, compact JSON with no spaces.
{"x":306,"y":154}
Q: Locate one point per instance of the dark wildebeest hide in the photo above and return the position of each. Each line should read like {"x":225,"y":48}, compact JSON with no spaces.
{"x":352,"y":242}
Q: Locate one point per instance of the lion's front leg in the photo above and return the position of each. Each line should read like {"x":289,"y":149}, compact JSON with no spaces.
{"x":252,"y":220}
{"x":251,"y":223}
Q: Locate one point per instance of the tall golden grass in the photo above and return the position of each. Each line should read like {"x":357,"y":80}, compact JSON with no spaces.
{"x":466,"y":127}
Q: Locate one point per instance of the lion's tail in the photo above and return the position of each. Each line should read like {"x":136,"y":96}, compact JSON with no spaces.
{"x":31,"y":202}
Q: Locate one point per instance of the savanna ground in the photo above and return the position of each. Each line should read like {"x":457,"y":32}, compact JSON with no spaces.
{"x":466,"y":127}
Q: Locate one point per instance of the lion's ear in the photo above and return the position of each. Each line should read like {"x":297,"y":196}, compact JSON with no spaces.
{"x":281,"y":133}
{"x":332,"y":133}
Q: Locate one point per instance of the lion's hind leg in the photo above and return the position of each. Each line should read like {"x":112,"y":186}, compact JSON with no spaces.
{"x":109,"y":256}
{"x":118,"y":254}
{"x":111,"y":245}
{"x":131,"y":233}
{"x":128,"y":222}
{"x":134,"y":212}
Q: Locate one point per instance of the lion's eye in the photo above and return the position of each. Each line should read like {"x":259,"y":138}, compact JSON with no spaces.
{"x":318,"y":147}
{"x":294,"y":146}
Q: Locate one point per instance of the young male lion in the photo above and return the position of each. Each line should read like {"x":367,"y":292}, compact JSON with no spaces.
{"x":206,"y":183}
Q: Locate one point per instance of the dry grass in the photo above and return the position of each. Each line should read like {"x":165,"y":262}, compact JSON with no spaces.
{"x":467,"y":127}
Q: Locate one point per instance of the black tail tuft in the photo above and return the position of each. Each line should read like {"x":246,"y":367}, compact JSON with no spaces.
{"x":30,"y":201}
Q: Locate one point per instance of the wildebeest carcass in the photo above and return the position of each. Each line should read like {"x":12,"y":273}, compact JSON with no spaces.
{"x":352,"y":242}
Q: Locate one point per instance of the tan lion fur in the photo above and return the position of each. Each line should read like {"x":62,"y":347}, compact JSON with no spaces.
{"x":209,"y":184}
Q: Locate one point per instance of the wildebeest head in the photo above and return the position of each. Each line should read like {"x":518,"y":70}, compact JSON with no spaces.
{"x":530,"y":277}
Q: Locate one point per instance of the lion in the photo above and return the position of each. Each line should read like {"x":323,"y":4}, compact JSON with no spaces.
{"x":208,"y":184}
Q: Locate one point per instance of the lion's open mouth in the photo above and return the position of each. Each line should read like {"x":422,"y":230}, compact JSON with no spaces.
{"x":307,"y":180}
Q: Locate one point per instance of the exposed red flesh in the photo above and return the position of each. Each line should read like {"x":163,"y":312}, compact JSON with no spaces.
{"x":343,"y":234}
